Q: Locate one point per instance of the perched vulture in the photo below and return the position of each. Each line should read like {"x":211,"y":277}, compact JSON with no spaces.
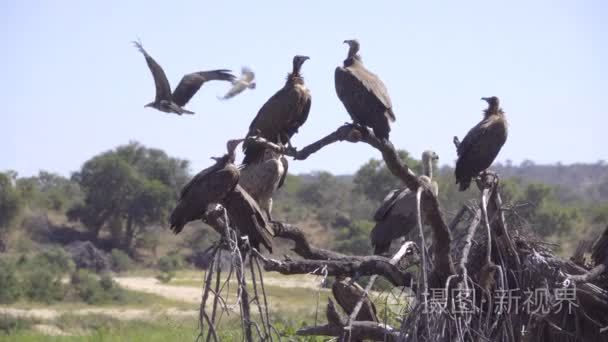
{"x":187,"y":87}
{"x":347,"y":294}
{"x":481,"y":145}
{"x":263,"y":179}
{"x":282,"y":115}
{"x":247,"y":217}
{"x":238,"y":86}
{"x":208,"y":187}
{"x":396,"y":217}
{"x":363,"y":94}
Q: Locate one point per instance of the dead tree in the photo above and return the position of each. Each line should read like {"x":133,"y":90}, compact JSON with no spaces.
{"x":475,"y":263}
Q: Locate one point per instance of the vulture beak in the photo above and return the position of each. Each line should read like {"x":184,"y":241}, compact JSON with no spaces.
{"x":435,"y":156}
{"x":216,"y":158}
{"x":487,"y":99}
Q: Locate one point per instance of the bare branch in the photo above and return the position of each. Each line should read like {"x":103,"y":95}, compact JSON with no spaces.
{"x":442,"y":262}
{"x":364,"y":266}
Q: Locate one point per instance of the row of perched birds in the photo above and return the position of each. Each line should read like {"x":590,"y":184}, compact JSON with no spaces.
{"x":246,"y":190}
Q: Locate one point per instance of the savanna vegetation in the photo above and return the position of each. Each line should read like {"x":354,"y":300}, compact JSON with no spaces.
{"x":118,"y":203}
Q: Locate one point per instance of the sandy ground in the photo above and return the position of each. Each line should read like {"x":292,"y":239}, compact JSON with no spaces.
{"x":120,"y":313}
{"x":186,"y":294}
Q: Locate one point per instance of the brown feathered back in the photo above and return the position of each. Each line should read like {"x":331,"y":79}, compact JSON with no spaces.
{"x":364,"y":95}
{"x":281,"y":116}
{"x":247,"y":217}
{"x":209,"y":186}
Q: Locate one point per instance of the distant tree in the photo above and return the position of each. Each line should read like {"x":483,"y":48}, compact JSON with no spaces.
{"x":49,"y":191}
{"x":10,"y":205}
{"x":127,"y":190}
{"x":375,"y":181}
{"x":354,"y":239}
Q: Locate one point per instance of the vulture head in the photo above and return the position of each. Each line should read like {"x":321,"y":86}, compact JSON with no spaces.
{"x":428,"y":157}
{"x":353,"y":47}
{"x":297,"y":63}
{"x":493,"y":103}
{"x":231,"y":146}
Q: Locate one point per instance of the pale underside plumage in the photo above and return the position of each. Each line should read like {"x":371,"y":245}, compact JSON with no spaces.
{"x":248,"y":218}
{"x":261,"y":180}
{"x":238,"y":86}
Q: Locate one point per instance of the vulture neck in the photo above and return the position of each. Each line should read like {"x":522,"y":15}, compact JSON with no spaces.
{"x":427,"y":168}
{"x":295,"y":78}
{"x":354,"y":59}
{"x":493,"y":110}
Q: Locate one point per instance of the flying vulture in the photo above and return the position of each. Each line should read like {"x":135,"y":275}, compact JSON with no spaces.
{"x":481,"y":145}
{"x":347,"y":294}
{"x":396,"y":217}
{"x":363,"y":94}
{"x":282,"y":115}
{"x":238,"y":86}
{"x":208,"y":187}
{"x":247,"y":217}
{"x":263,"y":179}
{"x":187,"y":87}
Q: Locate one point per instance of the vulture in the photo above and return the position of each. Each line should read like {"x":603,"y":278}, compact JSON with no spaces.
{"x":481,"y":145}
{"x":263,"y":179}
{"x":363,"y":94}
{"x":168,"y":102}
{"x":208,"y":187}
{"x":347,"y":294}
{"x":396,"y":217}
{"x":238,"y":86}
{"x":282,"y":115}
{"x":248,"y":219}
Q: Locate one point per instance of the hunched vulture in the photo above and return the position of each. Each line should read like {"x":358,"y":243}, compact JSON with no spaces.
{"x":363,"y":94}
{"x":396,"y":217}
{"x":481,"y":145}
{"x":282,"y":115}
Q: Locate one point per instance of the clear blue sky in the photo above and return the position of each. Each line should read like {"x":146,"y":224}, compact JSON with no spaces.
{"x":74,"y":86}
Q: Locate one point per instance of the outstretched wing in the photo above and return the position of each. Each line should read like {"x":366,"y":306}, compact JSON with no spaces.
{"x":191,"y":83}
{"x":163,"y":88}
{"x":236,"y":89}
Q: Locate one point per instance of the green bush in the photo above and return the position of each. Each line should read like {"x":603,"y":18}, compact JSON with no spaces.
{"x":9,"y":285}
{"x":165,"y":277}
{"x":55,"y":260}
{"x":10,"y":324}
{"x":170,"y":263}
{"x":92,"y":290}
{"x":43,"y":285}
{"x":121,"y":261}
